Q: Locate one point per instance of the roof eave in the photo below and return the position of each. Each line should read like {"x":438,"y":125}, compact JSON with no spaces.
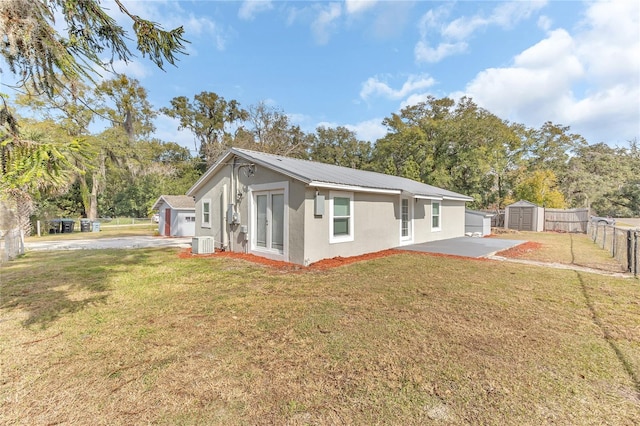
{"x":460,"y":198}
{"x":205,"y":177}
{"x":156,"y":205}
{"x":353,"y":188}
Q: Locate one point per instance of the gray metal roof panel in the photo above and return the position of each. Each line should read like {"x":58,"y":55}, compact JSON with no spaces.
{"x":312,"y":171}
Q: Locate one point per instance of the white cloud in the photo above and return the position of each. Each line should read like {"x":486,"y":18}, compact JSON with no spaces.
{"x":250,"y":8}
{"x":134,"y":68}
{"x":425,"y":53}
{"x":357,"y":6}
{"x":167,"y":130}
{"x":588,"y":79}
{"x":506,"y":15}
{"x":415,"y":99}
{"x":451,"y":37}
{"x":540,"y":76}
{"x":610,"y":47}
{"x":544,"y":23}
{"x":325,"y":22}
{"x":374,"y":87}
{"x":370,"y":130}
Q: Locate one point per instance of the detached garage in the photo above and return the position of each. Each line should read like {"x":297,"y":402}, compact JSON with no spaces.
{"x":524,"y":216}
{"x":177,"y":215}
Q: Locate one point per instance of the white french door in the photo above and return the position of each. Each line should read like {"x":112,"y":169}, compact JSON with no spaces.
{"x":269,"y":220}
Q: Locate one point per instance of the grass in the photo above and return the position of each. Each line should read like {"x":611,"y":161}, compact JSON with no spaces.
{"x":106,"y":231}
{"x":568,"y":249}
{"x":143,"y":336}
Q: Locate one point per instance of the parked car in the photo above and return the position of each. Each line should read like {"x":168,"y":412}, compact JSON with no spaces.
{"x":603,"y":220}
{"x":155,"y":218}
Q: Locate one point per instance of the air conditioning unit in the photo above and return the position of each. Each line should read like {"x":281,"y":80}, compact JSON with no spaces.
{"x":202,"y":245}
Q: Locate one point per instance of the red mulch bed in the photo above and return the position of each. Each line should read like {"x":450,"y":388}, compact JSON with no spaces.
{"x":317,"y":266}
{"x":286,"y":266}
{"x":520,"y":249}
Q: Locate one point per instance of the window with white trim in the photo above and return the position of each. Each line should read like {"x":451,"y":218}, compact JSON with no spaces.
{"x":340,"y":217}
{"x":206,"y":213}
{"x":435,"y":215}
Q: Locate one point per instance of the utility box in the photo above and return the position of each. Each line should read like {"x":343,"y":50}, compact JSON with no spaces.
{"x":318,"y":205}
{"x":202,"y":245}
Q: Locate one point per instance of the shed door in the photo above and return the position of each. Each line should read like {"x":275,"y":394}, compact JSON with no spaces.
{"x":514,"y":217}
{"x":527,"y":219}
{"x":521,"y":218}
{"x":167,"y":222}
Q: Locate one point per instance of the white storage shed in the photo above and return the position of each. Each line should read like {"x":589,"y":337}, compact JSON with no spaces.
{"x":177,"y":215}
{"x":477,"y":223}
{"x":524,"y":216}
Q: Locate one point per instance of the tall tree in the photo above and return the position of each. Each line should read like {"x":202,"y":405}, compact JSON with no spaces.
{"x":70,"y":109}
{"x":38,"y":162}
{"x":126,"y":105}
{"x":269,"y":129}
{"x":551,"y":146}
{"x":37,"y":53}
{"x":340,"y":146}
{"x":540,"y":187}
{"x":210,"y":118}
{"x":455,"y":145}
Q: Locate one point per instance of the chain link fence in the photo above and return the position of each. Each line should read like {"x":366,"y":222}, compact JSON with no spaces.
{"x":622,"y":243}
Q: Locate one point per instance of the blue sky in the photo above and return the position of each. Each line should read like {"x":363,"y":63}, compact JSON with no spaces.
{"x":353,"y":63}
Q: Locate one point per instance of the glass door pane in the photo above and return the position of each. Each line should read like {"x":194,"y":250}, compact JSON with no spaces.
{"x":405,"y":217}
{"x":277,"y":221}
{"x":261,"y":220}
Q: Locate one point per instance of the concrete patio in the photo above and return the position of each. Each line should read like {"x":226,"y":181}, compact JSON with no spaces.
{"x":464,"y":246}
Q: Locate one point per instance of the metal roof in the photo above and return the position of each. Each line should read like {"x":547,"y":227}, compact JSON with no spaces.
{"x":335,"y":177}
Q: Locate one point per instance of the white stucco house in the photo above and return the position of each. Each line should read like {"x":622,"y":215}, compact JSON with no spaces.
{"x":176,"y":215}
{"x":302,"y":211}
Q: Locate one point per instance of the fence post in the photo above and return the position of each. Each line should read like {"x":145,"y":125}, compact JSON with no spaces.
{"x":636,"y":254}
{"x":630,"y":257}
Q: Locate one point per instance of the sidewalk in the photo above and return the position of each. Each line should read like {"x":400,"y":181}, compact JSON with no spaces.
{"x":110,"y":243}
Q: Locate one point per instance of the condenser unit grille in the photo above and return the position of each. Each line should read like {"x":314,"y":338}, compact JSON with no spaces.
{"x":202,"y":245}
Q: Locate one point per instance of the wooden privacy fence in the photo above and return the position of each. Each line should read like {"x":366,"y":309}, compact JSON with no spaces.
{"x":572,"y":220}
{"x":622,"y":243}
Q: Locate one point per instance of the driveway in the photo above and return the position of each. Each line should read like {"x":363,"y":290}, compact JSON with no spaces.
{"x":465,"y":246}
{"x":110,"y":243}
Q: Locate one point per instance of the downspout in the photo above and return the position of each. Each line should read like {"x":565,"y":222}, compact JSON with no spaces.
{"x":231,"y":206}
{"x":223,"y":217}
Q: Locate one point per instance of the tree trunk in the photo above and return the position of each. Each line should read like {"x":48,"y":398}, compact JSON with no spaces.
{"x":97,"y":177}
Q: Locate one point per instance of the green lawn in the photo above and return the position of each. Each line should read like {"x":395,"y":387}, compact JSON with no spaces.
{"x":143,"y":336}
{"x":107,"y":230}
{"x":568,"y":249}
